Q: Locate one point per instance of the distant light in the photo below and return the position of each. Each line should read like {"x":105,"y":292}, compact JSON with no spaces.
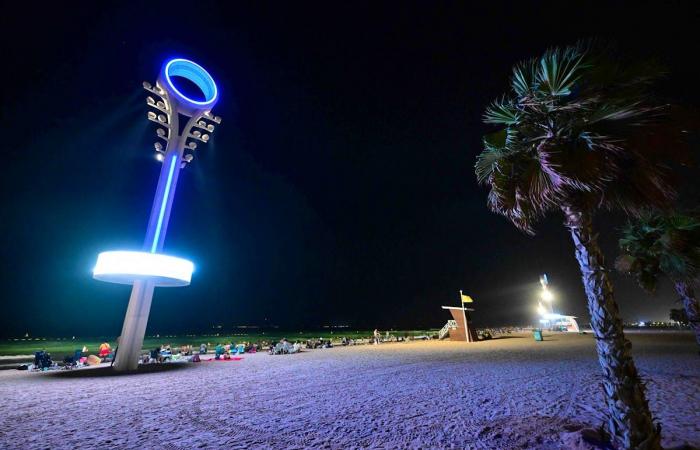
{"x":547,"y":295}
{"x":553,"y":316}
{"x":125,"y":267}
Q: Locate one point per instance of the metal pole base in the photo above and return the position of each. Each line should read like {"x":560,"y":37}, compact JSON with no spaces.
{"x":134,"y":329}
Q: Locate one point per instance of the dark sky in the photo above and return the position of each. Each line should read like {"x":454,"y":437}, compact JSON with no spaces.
{"x":339,"y":188}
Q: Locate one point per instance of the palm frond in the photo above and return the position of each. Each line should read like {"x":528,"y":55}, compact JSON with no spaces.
{"x":560,"y":69}
{"x":524,"y":79}
{"x":501,"y":112}
{"x":662,"y":244}
{"x":486,"y":163}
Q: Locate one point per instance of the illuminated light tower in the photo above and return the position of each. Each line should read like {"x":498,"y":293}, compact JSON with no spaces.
{"x":547,"y":295}
{"x":182,"y":122}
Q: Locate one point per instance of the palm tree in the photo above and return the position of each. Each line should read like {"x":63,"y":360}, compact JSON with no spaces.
{"x":668,"y":245}
{"x":575,"y":134}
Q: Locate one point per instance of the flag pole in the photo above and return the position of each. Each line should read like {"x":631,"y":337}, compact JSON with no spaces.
{"x":464,"y":314}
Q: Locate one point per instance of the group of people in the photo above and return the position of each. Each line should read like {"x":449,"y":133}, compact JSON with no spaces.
{"x":284,"y":347}
{"x":226,"y":351}
{"x":166,"y":352}
{"x":319,"y":343}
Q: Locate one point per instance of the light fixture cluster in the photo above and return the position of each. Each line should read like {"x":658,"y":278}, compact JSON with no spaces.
{"x":198,"y":128}
{"x":200,"y":131}
{"x":161,"y":115}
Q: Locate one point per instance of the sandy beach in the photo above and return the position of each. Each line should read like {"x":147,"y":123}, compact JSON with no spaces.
{"x":500,"y":394}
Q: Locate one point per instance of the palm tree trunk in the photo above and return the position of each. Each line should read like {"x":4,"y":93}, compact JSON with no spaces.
{"x":630,"y":423}
{"x":692,"y":309}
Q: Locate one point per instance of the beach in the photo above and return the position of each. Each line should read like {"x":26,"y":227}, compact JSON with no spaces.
{"x":510,"y":392}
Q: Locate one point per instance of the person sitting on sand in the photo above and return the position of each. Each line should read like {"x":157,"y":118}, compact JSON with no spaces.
{"x":155,"y":355}
{"x":104,"y":350}
{"x":166,"y":353}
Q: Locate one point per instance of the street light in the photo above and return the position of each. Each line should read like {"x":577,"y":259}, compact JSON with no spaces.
{"x":149,"y":268}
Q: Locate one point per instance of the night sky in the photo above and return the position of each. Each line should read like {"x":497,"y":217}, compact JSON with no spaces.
{"x":339,"y":188}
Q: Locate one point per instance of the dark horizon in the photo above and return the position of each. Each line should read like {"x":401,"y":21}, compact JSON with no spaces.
{"x":339,"y":188}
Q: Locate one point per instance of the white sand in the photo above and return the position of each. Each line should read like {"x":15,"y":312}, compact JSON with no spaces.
{"x":500,"y":394}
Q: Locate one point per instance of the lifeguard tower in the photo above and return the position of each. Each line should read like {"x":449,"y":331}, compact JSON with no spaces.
{"x":460,"y":328}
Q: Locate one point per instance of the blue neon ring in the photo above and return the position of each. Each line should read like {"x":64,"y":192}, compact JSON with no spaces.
{"x":185,"y":68}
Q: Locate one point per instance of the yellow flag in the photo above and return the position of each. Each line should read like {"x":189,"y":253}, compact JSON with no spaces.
{"x":466,"y":298}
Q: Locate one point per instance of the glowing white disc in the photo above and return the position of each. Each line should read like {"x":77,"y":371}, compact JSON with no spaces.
{"x":126,"y":267}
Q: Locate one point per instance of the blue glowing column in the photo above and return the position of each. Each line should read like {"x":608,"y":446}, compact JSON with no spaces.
{"x":134,"y":328}
{"x":150,"y":268}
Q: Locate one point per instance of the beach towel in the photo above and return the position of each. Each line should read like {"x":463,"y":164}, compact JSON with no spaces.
{"x":238,"y":358}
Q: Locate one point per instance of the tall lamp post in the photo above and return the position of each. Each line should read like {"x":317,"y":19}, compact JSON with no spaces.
{"x":183,"y":122}
{"x":546,"y":294}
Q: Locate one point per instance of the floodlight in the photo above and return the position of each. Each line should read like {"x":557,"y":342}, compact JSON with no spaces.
{"x":547,"y":295}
